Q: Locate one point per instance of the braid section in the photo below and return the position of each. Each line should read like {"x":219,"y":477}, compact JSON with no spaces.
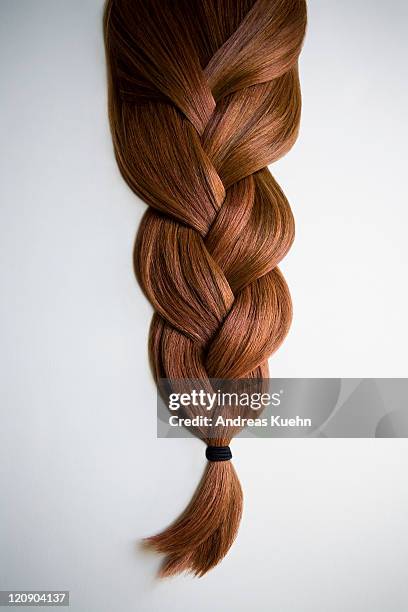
{"x":203,"y":95}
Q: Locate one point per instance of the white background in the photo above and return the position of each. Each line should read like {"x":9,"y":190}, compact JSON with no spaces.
{"x":83,"y":476}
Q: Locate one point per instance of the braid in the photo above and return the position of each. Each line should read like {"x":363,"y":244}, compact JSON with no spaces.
{"x":202,"y":97}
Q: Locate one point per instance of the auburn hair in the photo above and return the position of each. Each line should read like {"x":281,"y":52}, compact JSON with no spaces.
{"x":203,"y":95}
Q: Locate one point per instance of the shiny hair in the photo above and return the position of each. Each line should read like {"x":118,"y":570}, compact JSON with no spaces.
{"x":203,"y":95}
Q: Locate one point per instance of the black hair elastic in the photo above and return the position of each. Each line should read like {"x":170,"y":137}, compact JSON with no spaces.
{"x":218,"y":453}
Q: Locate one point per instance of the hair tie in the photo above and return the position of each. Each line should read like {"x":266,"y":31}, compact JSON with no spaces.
{"x":218,"y":453}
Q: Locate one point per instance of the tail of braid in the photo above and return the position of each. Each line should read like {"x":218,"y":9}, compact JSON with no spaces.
{"x":202,"y":97}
